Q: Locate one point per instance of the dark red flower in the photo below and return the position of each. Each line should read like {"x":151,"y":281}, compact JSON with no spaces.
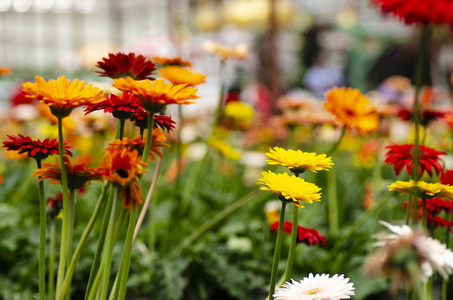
{"x":419,"y":11}
{"x":35,"y":149}
{"x":401,"y":156}
{"x":122,"y":65}
{"x":426,"y":117}
{"x":19,"y":97}
{"x":434,"y":207}
{"x":305,"y":235}
{"x":140,"y":118}
{"x":447,"y":177}
{"x":54,"y":205}
{"x":120,"y":107}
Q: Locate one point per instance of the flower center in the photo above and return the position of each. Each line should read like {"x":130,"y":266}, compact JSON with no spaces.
{"x":313,"y":291}
{"x":349,"y":113}
{"x":122,"y":173}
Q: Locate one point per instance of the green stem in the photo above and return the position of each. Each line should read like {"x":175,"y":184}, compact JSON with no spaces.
{"x":216,"y":219}
{"x":120,"y":128}
{"x":277,"y":251}
{"x":95,"y":266}
{"x":409,"y":210}
{"x":42,"y":237}
{"x":70,"y":232}
{"x":424,"y":216}
{"x":149,"y":137}
{"x":332,"y":202}
{"x":126,"y":259}
{"x":83,"y":239}
{"x":218,"y":110}
{"x":179,"y":147}
{"x":444,"y":289}
{"x":292,"y":247}
{"x":96,"y":282}
{"x":52,"y":259}
{"x":335,"y":146}
{"x":109,"y":244}
{"x":64,"y":247}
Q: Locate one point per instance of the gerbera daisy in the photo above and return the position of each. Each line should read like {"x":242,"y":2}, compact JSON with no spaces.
{"x":352,"y":109}
{"x":434,"y":206}
{"x":305,"y":235}
{"x":429,"y":190}
{"x":224,"y":52}
{"x":447,"y":177}
{"x":62,"y":95}
{"x":401,"y":156}
{"x":239,"y":111}
{"x":155,"y":95}
{"x":121,"y":65}
{"x":318,"y":287}
{"x":138,"y":144}
{"x":34,"y":148}
{"x":121,"y":167}
{"x":78,"y":173}
{"x":224,"y":148}
{"x":290,"y":188}
{"x":178,"y":75}
{"x":426,"y":117}
{"x":298,"y":161}
{"x":120,"y":107}
{"x":140,"y":118}
{"x":421,"y":11}
{"x":171,"y":61}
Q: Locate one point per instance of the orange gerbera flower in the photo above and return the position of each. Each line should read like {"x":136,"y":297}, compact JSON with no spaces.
{"x":171,"y":61}
{"x":225,"y":52}
{"x":78,"y":173}
{"x":121,"y":65}
{"x":62,"y":95}
{"x":155,"y":95}
{"x":178,"y":75}
{"x":138,"y":144}
{"x":352,"y":109}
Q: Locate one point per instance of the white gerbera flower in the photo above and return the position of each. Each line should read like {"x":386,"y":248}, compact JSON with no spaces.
{"x":318,"y":287}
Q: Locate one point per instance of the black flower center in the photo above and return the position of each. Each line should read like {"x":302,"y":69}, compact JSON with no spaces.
{"x":123,"y":173}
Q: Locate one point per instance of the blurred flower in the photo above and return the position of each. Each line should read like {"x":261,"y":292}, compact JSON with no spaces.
{"x":178,"y":75}
{"x":447,"y":177}
{"x":404,"y":248}
{"x":19,"y":97}
{"x":224,"y":148}
{"x":426,"y":117}
{"x":172,"y":169}
{"x":298,"y":161}
{"x":62,"y":96}
{"x":121,"y":65}
{"x":5,"y":70}
{"x":239,"y":111}
{"x":421,"y":11}
{"x":224,"y":52}
{"x":318,"y":287}
{"x":120,"y":107}
{"x":138,"y":144}
{"x":171,"y":61}
{"x":54,"y":205}
{"x":352,"y":109}
{"x":434,"y":206}
{"x":290,"y":188}
{"x":294,"y":103}
{"x":272,"y":210}
{"x":305,"y":235}
{"x":164,"y":122}
{"x":34,"y":148}
{"x":155,"y":95}
{"x":78,"y":173}
{"x":401,"y":156}
{"x":428,"y":189}
{"x":140,"y":118}
{"x":366,"y":156}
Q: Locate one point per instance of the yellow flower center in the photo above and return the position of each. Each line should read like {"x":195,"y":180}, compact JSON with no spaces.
{"x":313,"y":291}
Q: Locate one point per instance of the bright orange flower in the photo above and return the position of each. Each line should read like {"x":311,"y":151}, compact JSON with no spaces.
{"x":155,"y":95}
{"x":171,"y":61}
{"x":352,"y":109}
{"x":122,"y":65}
{"x":138,"y":144}
{"x":5,"y":70}
{"x":78,"y":173}
{"x":62,"y":95}
{"x":178,"y":75}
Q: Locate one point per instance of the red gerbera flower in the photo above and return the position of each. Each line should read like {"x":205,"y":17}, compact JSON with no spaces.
{"x":447,"y":177}
{"x":122,"y":65}
{"x":434,"y":207}
{"x":305,"y":235}
{"x":140,"y":118}
{"x":401,"y":156}
{"x":426,"y":117}
{"x":420,"y":11}
{"x":120,"y":107}
{"x":35,"y":149}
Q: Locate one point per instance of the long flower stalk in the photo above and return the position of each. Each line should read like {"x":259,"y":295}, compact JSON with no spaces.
{"x":277,"y":251}
{"x":83,"y":239}
{"x":69,"y":232}
{"x":218,"y":111}
{"x":292,"y":247}
{"x":149,"y":137}
{"x":179,"y":147}
{"x":64,"y":246}
{"x":51,"y":282}
{"x":42,"y":237}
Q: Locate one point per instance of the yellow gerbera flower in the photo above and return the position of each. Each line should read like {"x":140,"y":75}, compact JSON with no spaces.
{"x":62,"y":95}
{"x":225,"y":52}
{"x":290,"y":188}
{"x":224,"y":148}
{"x":178,"y":75}
{"x":239,"y":111}
{"x":298,"y":161}
{"x":156,"y":94}
{"x":429,"y":189}
{"x":352,"y":109}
